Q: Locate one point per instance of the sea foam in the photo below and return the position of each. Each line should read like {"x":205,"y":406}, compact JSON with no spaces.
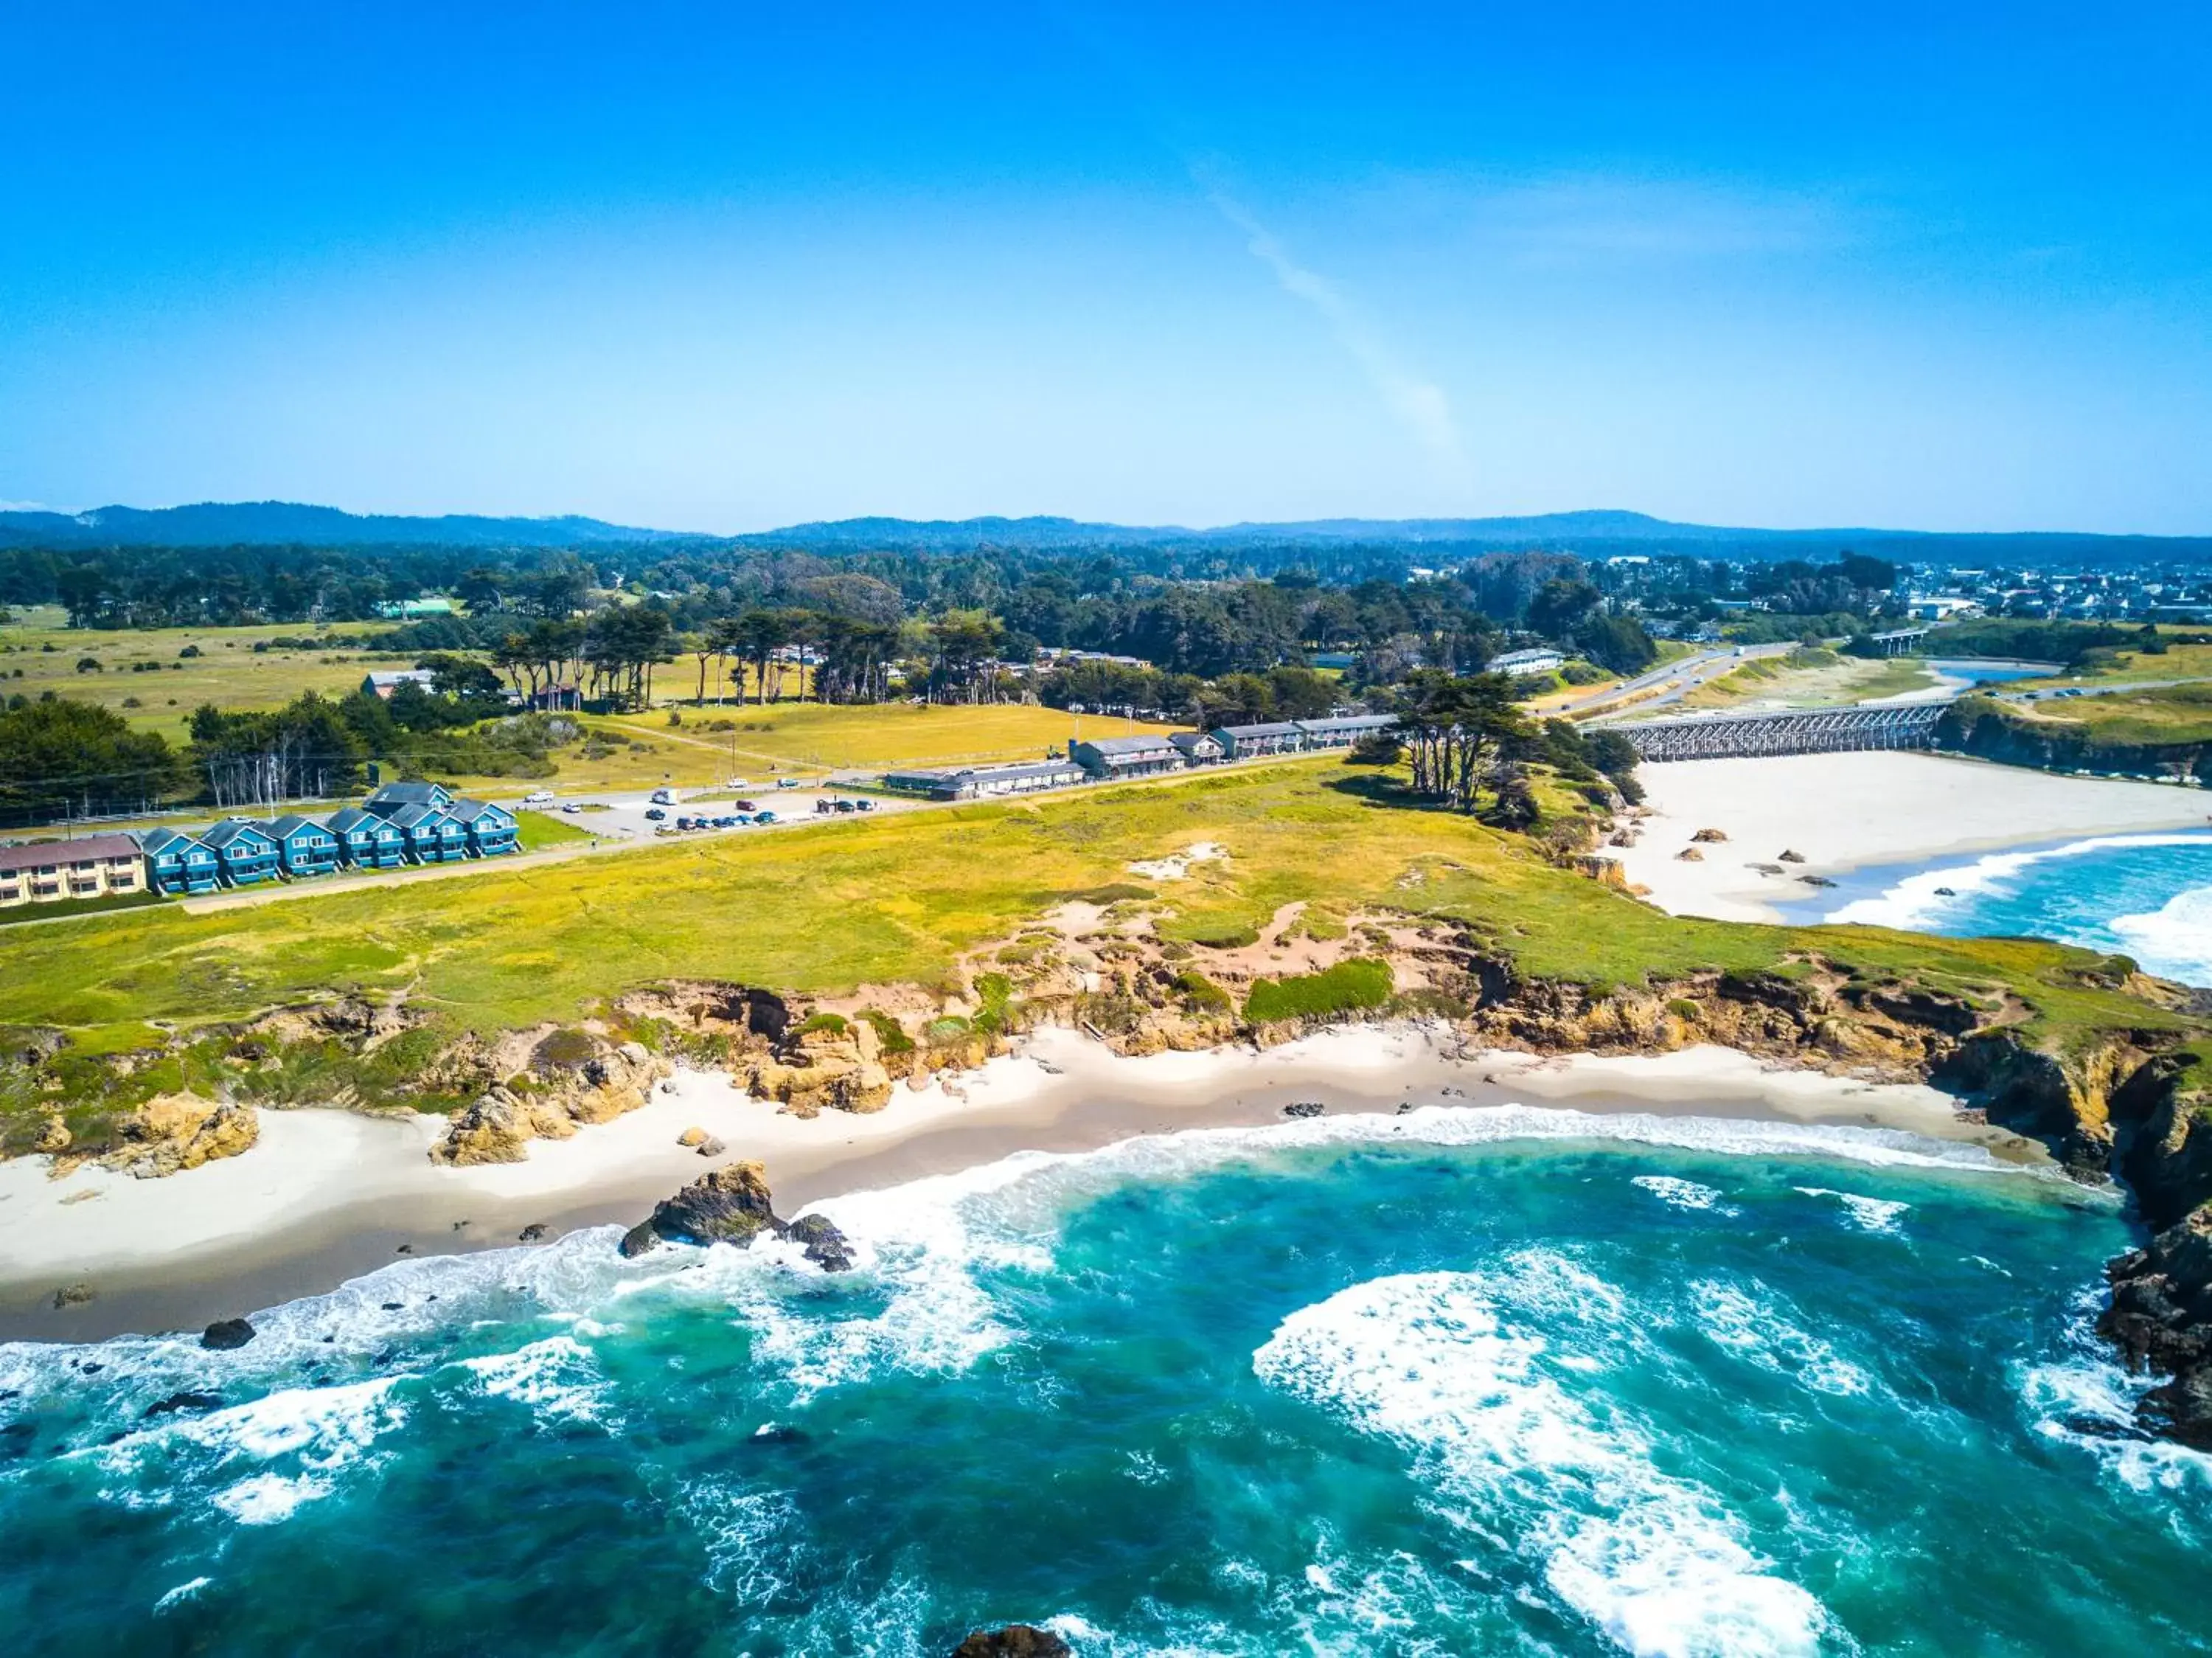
{"x":1927,"y":896}
{"x":1426,"y":1360}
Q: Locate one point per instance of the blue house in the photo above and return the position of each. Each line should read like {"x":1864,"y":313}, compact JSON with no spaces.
{"x":180,"y":864}
{"x":304,"y":847}
{"x":367,"y":841}
{"x":247,"y":851}
{"x":493,"y":832}
{"x":392,"y":796}
{"x":434,"y":836}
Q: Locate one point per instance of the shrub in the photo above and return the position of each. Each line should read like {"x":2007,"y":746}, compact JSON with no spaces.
{"x":1353,"y":986}
{"x":1199,"y":993}
{"x":1684,"y":1009}
{"x":816,"y":1023}
{"x":890,"y":1035}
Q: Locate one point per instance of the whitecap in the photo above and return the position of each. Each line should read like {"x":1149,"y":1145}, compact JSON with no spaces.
{"x":1867,"y":1214}
{"x":185,"y":1591}
{"x":266,"y":1499}
{"x":1756,"y":1331}
{"x":557,"y":1378}
{"x":1918,"y":898}
{"x":2174,"y":940}
{"x":1651,"y":1560}
{"x":750,"y":1555}
{"x":1683,"y":1194}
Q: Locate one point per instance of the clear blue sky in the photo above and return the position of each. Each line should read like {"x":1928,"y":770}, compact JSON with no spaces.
{"x":727,"y":266}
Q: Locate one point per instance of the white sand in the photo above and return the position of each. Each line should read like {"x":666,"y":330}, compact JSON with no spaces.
{"x":1844,"y":811}
{"x":341,"y":1188}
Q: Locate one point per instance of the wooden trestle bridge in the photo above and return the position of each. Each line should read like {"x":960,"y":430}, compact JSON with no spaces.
{"x":1788,"y":731}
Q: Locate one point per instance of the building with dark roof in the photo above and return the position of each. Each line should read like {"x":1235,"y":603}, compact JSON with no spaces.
{"x":1243,"y":742}
{"x":986,"y":782}
{"x":246,"y":850}
{"x":1343,"y":730}
{"x":367,"y":841}
{"x":180,"y":864}
{"x":1111,"y":759}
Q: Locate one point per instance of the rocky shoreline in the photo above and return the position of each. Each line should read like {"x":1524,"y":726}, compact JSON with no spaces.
{"x":2128,"y":1105}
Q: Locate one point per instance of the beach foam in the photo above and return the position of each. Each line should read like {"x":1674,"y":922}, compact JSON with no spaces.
{"x":1426,"y":1360}
{"x":2175,"y":940}
{"x":1919,"y":898}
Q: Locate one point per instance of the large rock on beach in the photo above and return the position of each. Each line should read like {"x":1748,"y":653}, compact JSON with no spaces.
{"x":225,"y":1335}
{"x":172,"y":1132}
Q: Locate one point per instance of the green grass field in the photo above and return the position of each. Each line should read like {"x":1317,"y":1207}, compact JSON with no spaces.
{"x":2135,"y":667}
{"x":41,"y":654}
{"x":892,"y":900}
{"x":1820,"y":679}
{"x":2166,"y":714}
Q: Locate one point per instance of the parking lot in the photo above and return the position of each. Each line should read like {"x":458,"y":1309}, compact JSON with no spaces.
{"x":631,"y":815}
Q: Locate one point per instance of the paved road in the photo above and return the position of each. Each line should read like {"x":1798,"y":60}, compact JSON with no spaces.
{"x":1673,"y":681}
{"x":2067,"y":693}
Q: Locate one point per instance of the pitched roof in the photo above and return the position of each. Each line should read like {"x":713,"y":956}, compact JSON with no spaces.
{"x":291,"y":823}
{"x":1349,"y":723}
{"x":468,"y":809}
{"x":1126,"y":744}
{"x":1273,"y":729}
{"x":409,"y":794}
{"x":156,"y":842}
{"x":231,"y":829}
{"x":39,"y":852}
{"x":415,"y":816}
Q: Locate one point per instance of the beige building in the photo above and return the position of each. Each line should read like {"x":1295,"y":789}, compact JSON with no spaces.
{"x":46,"y":871}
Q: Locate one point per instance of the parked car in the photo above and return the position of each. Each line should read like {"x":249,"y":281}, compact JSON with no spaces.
{"x":539,"y":797}
{"x":662,"y":797}
{"x":787,"y":782}
{"x":840,"y":806}
{"x":764,"y":817}
{"x":746,"y":806}
{"x":864,"y":806}
{"x":572,"y":808}
{"x":737,"y":782}
{"x":654,"y":814}
{"x":687,"y":823}
{"x":728,"y":822}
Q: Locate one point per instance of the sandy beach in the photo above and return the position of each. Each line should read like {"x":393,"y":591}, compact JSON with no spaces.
{"x":1843,"y":812}
{"x":328,"y":1195}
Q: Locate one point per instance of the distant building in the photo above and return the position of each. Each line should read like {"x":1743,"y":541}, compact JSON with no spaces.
{"x":1522,"y":664}
{"x":1345,"y":729}
{"x":304,"y":847}
{"x":367,"y":841}
{"x":180,"y":864}
{"x":48,"y":871}
{"x":1111,"y":759}
{"x":408,"y":609}
{"x":247,"y":851}
{"x":986,"y":782}
{"x":390,"y":797}
{"x":433,"y":835}
{"x":1244,"y":742}
{"x":384,"y":682}
{"x":492,"y":829}
{"x":1199,"y":747}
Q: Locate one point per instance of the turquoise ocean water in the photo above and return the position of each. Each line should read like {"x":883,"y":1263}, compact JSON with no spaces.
{"x":2148,"y":896}
{"x":1457,"y":1381}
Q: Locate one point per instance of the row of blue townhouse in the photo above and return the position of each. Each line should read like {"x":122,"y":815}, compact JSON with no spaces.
{"x":399,"y":823}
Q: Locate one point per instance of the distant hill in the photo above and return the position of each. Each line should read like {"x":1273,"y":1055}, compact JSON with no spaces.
{"x":1595,"y":533}
{"x":284,"y":523}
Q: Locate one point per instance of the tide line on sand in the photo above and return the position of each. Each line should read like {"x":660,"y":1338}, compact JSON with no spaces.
{"x":321,"y":1180}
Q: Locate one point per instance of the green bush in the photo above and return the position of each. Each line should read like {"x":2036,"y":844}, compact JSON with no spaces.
{"x":1353,"y":986}
{"x":890,"y":1035}
{"x":816,"y":1023}
{"x":1199,"y":993}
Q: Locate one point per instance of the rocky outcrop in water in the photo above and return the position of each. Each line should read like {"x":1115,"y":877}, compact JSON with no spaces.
{"x":227,"y":1335}
{"x":733,"y":1205}
{"x":1014,"y":1641}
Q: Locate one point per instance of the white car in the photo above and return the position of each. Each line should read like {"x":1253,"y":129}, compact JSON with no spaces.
{"x":539,"y":797}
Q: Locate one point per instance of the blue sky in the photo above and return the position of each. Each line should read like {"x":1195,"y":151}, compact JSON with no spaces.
{"x":729,"y":267}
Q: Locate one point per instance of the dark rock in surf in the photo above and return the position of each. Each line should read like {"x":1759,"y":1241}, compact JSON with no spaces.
{"x":826,"y":1247}
{"x":1303,"y":1108}
{"x":1015,"y":1641}
{"x":733,"y":1205}
{"x":187,"y":1400}
{"x":534,"y":1233}
{"x":225,"y":1334}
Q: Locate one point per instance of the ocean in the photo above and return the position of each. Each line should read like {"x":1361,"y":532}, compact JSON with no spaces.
{"x":2148,"y":896}
{"x":1459,"y":1380}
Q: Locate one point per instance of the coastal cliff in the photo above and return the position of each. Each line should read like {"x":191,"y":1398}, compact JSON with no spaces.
{"x":2123,"y":1094}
